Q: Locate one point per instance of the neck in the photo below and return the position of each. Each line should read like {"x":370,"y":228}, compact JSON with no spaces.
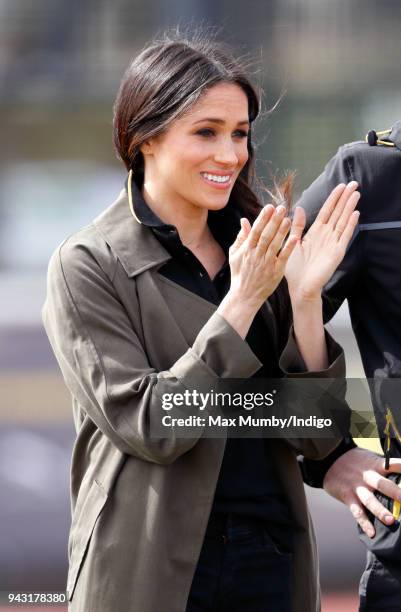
{"x":190,"y":220}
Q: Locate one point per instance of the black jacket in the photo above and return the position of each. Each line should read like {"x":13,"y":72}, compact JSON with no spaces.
{"x":369,"y":277}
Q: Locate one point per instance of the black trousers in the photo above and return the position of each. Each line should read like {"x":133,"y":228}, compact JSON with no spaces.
{"x":240,"y":569}
{"x":380,"y":587}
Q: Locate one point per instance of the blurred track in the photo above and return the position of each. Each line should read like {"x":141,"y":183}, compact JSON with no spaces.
{"x":340,"y":602}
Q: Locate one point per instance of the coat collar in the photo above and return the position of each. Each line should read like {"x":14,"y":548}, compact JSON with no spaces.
{"x":126,"y":228}
{"x":132,"y":242}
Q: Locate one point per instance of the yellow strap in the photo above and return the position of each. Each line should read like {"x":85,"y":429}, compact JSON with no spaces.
{"x":387,"y":429}
{"x":397,"y":507}
{"x":390,"y":422}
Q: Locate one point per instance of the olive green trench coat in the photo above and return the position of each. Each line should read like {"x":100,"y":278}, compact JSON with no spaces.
{"x":123,"y":335}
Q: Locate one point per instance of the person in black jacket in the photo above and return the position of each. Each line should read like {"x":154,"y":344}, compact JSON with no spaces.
{"x":369,"y":278}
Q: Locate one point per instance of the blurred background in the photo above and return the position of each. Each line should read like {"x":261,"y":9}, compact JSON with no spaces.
{"x":60,"y":66}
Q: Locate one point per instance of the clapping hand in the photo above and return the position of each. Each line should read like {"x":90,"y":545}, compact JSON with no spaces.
{"x":318,"y":254}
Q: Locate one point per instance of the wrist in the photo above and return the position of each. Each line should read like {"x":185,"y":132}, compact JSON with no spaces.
{"x":303,"y":295}
{"x":247,"y":304}
{"x":239,"y":313}
{"x":302,"y":300}
{"x":314,"y":471}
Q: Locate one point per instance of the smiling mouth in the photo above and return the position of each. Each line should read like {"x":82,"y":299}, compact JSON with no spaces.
{"x":217,"y":178}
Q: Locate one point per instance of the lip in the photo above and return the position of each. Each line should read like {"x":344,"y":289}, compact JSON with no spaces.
{"x":219,"y":173}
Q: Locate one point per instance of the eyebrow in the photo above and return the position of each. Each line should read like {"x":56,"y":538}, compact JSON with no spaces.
{"x":220,"y":121}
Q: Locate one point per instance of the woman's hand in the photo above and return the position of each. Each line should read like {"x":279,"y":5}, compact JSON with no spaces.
{"x":318,"y":254}
{"x":257,"y":264}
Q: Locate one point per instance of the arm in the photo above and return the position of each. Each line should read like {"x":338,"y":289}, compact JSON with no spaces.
{"x":105,"y":365}
{"x":309,"y":333}
{"x":340,"y":169}
{"x":313,"y":262}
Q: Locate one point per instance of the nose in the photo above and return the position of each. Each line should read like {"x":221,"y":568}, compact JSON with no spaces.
{"x":226,"y":154}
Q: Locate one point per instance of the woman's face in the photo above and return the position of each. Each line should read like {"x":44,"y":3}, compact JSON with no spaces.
{"x":198,"y":159}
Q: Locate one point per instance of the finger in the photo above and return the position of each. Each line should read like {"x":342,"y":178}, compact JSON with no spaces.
{"x":349,"y":230}
{"x":245,"y":225}
{"x":376,"y":481}
{"x":286,"y":251}
{"x":342,"y":202}
{"x":242,"y":234}
{"x":270,"y":230}
{"x":257,"y":228}
{"x":238,"y":241}
{"x":298,"y":222}
{"x":371,"y":502}
{"x":347,"y":212}
{"x":278,"y":239}
{"x":328,"y":206}
{"x":361,"y":518}
{"x":395,"y":466}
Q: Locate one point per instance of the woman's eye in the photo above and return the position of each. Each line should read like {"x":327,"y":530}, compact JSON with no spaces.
{"x":205,"y":132}
{"x":208,"y":132}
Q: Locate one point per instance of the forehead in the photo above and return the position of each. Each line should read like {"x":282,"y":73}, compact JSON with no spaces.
{"x":227,"y":101}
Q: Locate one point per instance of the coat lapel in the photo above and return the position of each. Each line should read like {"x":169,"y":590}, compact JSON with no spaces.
{"x":132,"y":243}
{"x":190,"y":311}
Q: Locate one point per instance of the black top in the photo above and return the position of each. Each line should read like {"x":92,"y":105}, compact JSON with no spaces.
{"x":369,"y":275}
{"x":247,"y":484}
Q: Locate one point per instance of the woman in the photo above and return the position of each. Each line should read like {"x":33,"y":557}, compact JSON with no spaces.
{"x":143,"y":303}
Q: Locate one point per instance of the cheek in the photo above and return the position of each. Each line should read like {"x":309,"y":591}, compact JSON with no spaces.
{"x":186,"y":156}
{"x":244,"y":155}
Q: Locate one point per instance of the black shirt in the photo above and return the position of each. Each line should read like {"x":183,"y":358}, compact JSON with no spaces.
{"x":247,"y":483}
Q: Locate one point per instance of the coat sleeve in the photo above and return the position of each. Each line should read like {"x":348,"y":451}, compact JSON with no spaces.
{"x":106,"y":368}
{"x":340,"y":169}
{"x":293,"y":366}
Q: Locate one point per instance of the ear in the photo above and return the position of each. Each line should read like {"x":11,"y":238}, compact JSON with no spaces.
{"x":146,"y":147}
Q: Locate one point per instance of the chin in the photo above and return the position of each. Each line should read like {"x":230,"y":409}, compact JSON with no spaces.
{"x":216,"y":203}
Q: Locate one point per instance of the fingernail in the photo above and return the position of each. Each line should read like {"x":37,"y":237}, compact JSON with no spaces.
{"x":280,"y":209}
{"x":352,"y":184}
{"x":389,"y":519}
{"x":371,"y":533}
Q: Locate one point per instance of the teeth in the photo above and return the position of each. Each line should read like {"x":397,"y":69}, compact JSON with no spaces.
{"x":217,"y":178}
